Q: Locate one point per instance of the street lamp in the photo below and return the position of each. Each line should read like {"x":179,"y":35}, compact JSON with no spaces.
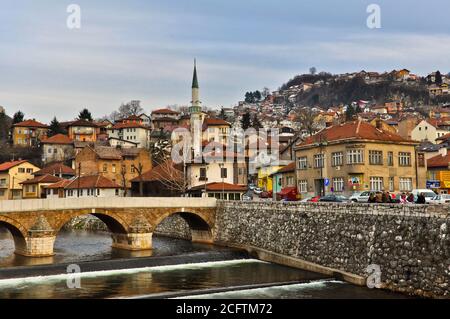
{"x":322,"y":143}
{"x":221,"y":165}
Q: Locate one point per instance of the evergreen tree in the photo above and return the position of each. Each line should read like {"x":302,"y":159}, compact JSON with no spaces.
{"x":358,"y":109}
{"x":85,"y":115}
{"x":245,"y":121}
{"x":257,"y":96}
{"x":18,"y":117}
{"x":5,"y":123}
{"x":222,"y":114}
{"x":438,"y":78}
{"x":249,"y":98}
{"x":256,"y":124}
{"x":55,"y":128}
{"x":350,"y":113}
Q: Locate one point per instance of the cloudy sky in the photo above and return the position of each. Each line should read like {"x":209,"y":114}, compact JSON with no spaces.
{"x":145,"y":49}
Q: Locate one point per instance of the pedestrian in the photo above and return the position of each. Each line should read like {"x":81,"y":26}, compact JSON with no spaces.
{"x":421,"y":199}
{"x":378,"y":197}
{"x":384,"y":198}
{"x":372,"y":198}
{"x":403,"y":199}
{"x":410,"y":198}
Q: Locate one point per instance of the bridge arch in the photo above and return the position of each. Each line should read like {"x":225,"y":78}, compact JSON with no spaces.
{"x":17,"y":231}
{"x":199,"y":225}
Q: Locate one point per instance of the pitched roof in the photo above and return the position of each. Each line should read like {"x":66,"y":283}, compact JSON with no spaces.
{"x":119,"y":126}
{"x":47,"y":178}
{"x":165,"y":111}
{"x":165,"y":171}
{"x":30,"y":123}
{"x":56,"y":168}
{"x":439,"y":161}
{"x":106,"y":152}
{"x":357,"y":130}
{"x":58,"y":139}
{"x":91,"y":181}
{"x":287,"y":168}
{"x":8,"y":165}
{"x":83,"y":123}
{"x":444,"y":137}
{"x":61,"y":184}
{"x":220,"y":186}
{"x":215,"y":122}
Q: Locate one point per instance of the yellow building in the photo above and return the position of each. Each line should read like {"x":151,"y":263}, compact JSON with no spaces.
{"x":35,"y":187}
{"x":357,"y":156}
{"x":83,"y":131}
{"x":438,"y":175}
{"x":265,"y":174}
{"x":29,"y":133}
{"x":12,"y":174}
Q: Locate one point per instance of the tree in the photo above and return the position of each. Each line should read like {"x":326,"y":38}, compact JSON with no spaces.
{"x":85,"y":115}
{"x":265,"y":92}
{"x":222,"y":114}
{"x":130,"y":108}
{"x":18,"y":117}
{"x":171,"y":177}
{"x":123,"y":175}
{"x":249,"y":98}
{"x":358,"y":109}
{"x":438,"y":78}
{"x":256,"y":124}
{"x":313,"y":70}
{"x":306,"y":118}
{"x":55,"y":128}
{"x":350,"y":112}
{"x":257,"y":96}
{"x":5,"y":125}
{"x":245,"y":121}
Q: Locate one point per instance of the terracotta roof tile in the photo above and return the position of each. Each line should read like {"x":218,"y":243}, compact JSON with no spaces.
{"x":8,"y":165}
{"x":287,"y":168}
{"x":61,"y":184}
{"x":30,"y":123}
{"x":129,"y":125}
{"x":55,"y":169}
{"x":221,"y":186}
{"x":439,"y":161}
{"x":47,"y":178}
{"x":165,"y":171}
{"x":165,"y":111}
{"x":92,"y":181}
{"x":58,"y":139}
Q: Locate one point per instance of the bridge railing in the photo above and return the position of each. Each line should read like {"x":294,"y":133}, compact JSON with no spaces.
{"x":7,"y":206}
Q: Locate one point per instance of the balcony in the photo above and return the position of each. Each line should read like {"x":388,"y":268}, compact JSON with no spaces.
{"x":355,"y":168}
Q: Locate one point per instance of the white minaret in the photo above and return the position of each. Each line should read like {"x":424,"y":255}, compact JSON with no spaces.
{"x":195,"y":111}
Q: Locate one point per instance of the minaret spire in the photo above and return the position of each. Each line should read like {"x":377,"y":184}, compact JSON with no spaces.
{"x":195,"y":80}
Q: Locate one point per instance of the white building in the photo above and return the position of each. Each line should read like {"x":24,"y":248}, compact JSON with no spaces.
{"x":425,"y":131}
{"x":132,"y":132}
{"x":84,"y":186}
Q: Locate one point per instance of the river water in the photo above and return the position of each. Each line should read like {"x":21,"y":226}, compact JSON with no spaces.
{"x":247,"y":278}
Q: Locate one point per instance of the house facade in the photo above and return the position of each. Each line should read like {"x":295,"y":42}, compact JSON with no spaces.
{"x":12,"y":174}
{"x":29,"y":133}
{"x":57,"y":148}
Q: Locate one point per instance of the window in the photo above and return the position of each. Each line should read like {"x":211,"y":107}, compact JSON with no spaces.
{"x":390,"y":158}
{"x":98,"y":192}
{"x":355,"y":157}
{"x":303,"y":186}
{"x":318,"y":161}
{"x":290,"y":181}
{"x":337,"y":159}
{"x":29,"y":170}
{"x":49,"y":150}
{"x":105,"y":168}
{"x":376,"y":183}
{"x":376,"y":157}
{"x":421,"y":159}
{"x":405,"y":184}
{"x":133,"y":169}
{"x":2,"y":182}
{"x":223,"y":172}
{"x":113,"y":168}
{"x":302,"y":163}
{"x":338,"y":184}
{"x":391,"y":184}
{"x":203,"y":174}
{"x":2,"y":192}
{"x":117,"y":192}
{"x":404,"y":159}
{"x":241,"y":171}
{"x":55,"y":150}
{"x":21,"y":170}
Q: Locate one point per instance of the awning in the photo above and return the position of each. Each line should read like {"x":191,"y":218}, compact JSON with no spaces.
{"x":287,"y":190}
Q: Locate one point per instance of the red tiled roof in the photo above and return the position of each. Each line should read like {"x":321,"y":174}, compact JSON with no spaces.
{"x":165,"y":119}
{"x":92,"y":181}
{"x":83,"y":123}
{"x":215,"y":122}
{"x":61,"y":184}
{"x":56,"y":168}
{"x":30,"y":123}
{"x":165,"y":171}
{"x":129,"y":125}
{"x":47,"y":178}
{"x":58,"y":139}
{"x":357,"y":130}
{"x":8,"y":165}
{"x":165,"y":111}
{"x":287,"y":168}
{"x":221,"y":186}
{"x":439,"y":161}
{"x":444,"y":137}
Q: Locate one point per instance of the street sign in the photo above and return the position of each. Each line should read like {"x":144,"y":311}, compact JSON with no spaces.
{"x":326,"y":182}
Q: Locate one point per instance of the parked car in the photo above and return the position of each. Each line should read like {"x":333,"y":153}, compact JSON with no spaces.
{"x":265,"y":195}
{"x":257,"y":190}
{"x":251,"y":186}
{"x":360,"y":197}
{"x":429,"y":194}
{"x":440,"y":199}
{"x":334,"y":199}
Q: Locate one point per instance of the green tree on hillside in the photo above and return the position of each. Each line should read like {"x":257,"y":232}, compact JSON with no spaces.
{"x":55,"y":128}
{"x":85,"y":115}
{"x":245,"y":121}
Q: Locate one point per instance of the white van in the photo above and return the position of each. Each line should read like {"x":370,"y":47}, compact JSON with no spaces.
{"x":428,"y":193}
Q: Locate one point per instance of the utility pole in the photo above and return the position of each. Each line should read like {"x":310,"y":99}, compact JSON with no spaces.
{"x":79,"y":176}
{"x":221,"y":165}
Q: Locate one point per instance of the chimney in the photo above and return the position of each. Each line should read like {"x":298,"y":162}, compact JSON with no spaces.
{"x":443,"y":151}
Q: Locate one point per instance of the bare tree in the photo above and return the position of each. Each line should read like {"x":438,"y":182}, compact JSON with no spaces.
{"x":171,"y":177}
{"x":139,"y":168}
{"x":306,"y":118}
{"x":123,"y":174}
{"x":131,"y":108}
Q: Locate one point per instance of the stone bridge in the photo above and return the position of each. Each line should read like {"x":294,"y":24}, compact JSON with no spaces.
{"x":35,"y":224}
